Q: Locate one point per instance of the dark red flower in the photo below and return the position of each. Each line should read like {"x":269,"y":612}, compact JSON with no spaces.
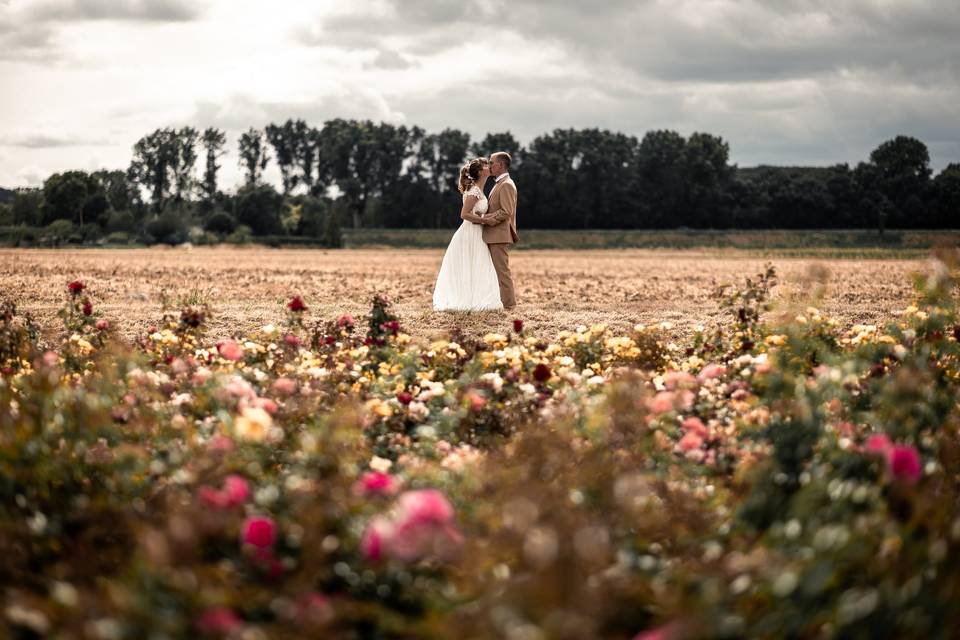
{"x":541,"y":373}
{"x":292,"y":340}
{"x":296,"y":305}
{"x":87,"y":308}
{"x":404,"y":397}
{"x":518,"y":325}
{"x":76,"y":287}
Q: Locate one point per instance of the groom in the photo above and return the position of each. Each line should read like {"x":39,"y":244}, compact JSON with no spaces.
{"x":500,"y":224}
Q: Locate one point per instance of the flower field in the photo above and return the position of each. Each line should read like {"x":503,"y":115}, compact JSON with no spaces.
{"x":766,"y":475}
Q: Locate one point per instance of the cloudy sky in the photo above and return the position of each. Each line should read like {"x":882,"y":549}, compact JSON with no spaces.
{"x":784,"y":81}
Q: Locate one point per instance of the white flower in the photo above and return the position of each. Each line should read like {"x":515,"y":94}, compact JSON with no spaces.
{"x":380,"y":464}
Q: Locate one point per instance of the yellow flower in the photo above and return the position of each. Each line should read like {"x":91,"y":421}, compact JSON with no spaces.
{"x":775,"y":340}
{"x":252,"y":424}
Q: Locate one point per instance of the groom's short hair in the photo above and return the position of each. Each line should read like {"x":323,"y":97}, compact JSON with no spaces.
{"x":502,"y":155}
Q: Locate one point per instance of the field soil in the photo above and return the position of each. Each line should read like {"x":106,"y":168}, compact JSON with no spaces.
{"x":247,"y":287}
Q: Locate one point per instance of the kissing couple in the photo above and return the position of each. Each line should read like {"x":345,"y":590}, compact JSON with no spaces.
{"x":475,"y":272}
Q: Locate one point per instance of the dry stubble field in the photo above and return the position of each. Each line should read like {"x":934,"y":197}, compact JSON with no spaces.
{"x":558,"y":289}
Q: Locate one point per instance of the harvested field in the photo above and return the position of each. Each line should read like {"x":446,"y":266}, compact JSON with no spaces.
{"x":246,"y":287}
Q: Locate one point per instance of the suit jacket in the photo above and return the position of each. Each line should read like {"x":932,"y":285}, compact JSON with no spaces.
{"x":500,"y":221}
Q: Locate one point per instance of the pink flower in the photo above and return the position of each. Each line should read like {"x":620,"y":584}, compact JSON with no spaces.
{"x":711,"y":371}
{"x":285,"y":386}
{"x":477,"y":401}
{"x":292,"y":340}
{"x":259,"y":531}
{"x":237,"y":489}
{"x":218,"y":621}
{"x":346,"y":321}
{"x":103,"y":324}
{"x":221,"y":442}
{"x":376,"y":483}
{"x":690,"y":441}
{"x":695,"y":425}
{"x":879,"y":444}
{"x":904,"y":464}
{"x":230,"y":350}
{"x":375,"y":538}
{"x":662,"y":402}
{"x":213,"y":497}
{"x":266,"y":404}
{"x":673,"y":379}
{"x":666,"y":632}
{"x":425,"y":506}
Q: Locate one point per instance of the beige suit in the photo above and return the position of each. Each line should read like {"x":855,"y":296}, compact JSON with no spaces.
{"x":499,"y":232}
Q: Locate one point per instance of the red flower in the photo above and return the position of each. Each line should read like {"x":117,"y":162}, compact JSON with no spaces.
{"x":296,"y":305}
{"x":103,"y":324}
{"x":292,"y":340}
{"x":518,"y":325}
{"x":87,"y":308}
{"x":541,"y":373}
{"x":404,"y":397}
{"x":376,"y":483}
{"x":346,"y":321}
{"x":76,"y":287}
{"x":904,"y":464}
{"x":259,"y":531}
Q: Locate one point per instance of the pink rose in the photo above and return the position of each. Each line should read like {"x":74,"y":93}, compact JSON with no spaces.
{"x":237,"y":489}
{"x":345,"y":321}
{"x":673,"y":379}
{"x":266,"y":404}
{"x":711,"y":371}
{"x":315,"y":609}
{"x":221,"y":443}
{"x":690,"y":441}
{"x":904,"y":464}
{"x":425,"y":505}
{"x":259,"y":531}
{"x":103,"y":324}
{"x":375,"y":538}
{"x":218,"y":621}
{"x":695,"y":425}
{"x":285,"y":386}
{"x":477,"y":401}
{"x":230,"y":350}
{"x":879,"y":444}
{"x":662,"y":402}
{"x":376,"y":483}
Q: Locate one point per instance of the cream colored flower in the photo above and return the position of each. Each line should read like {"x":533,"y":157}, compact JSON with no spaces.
{"x":252,"y":424}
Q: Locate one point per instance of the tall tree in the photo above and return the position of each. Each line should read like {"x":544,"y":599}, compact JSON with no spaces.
{"x":214,"y":141}
{"x":154,"y":158}
{"x":253,"y":155}
{"x":286,"y":143}
{"x":661,"y":178}
{"x":72,"y":195}
{"x":494,"y":142}
{"x":442,"y":154}
{"x":185,"y":141}
{"x":708,"y":175}
{"x":902,"y":171}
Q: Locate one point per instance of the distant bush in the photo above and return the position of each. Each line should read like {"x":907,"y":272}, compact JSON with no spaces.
{"x":121,"y":221}
{"x":167,"y":228}
{"x":220,"y":222}
{"x":242,"y":235}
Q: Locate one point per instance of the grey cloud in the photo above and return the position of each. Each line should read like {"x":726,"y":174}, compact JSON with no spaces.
{"x":391,"y":61}
{"x":47,"y":141}
{"x":136,"y":10}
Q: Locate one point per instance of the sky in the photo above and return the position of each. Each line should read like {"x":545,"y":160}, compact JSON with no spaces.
{"x":788,"y":82}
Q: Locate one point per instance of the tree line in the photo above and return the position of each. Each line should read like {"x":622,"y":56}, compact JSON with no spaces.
{"x":365,"y":174}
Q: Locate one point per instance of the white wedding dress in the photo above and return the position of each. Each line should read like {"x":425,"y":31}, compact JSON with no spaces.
{"x":467,"y":280}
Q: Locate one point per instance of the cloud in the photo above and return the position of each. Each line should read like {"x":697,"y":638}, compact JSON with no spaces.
{"x":31,"y":176}
{"x":136,"y":10}
{"x":48,"y":141}
{"x":390,"y":61}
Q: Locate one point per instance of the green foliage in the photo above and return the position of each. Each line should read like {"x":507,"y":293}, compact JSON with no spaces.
{"x":260,"y":208}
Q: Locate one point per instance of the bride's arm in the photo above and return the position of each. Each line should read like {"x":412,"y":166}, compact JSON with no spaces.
{"x":467,"y":212}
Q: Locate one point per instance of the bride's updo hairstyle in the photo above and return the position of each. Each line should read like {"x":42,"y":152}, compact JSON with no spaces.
{"x":470,"y":173}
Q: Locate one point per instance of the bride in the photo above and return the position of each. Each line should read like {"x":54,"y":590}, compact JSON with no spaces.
{"x":467,"y":280}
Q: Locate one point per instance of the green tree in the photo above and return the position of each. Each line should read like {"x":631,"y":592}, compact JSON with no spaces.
{"x":947,"y":192}
{"x":493,"y":142}
{"x":442,"y":154}
{"x":156,"y":157}
{"x":901,"y":169}
{"x":27,"y":207}
{"x":708,"y":177}
{"x":185,"y":160}
{"x":286,"y":142}
{"x":661,"y":178}
{"x":253,"y":155}
{"x":121,"y":195}
{"x":214,"y":141}
{"x":259,"y":207}
{"x":73,"y":196}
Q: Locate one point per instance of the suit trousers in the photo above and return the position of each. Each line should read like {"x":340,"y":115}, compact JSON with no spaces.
{"x":501,"y":262}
